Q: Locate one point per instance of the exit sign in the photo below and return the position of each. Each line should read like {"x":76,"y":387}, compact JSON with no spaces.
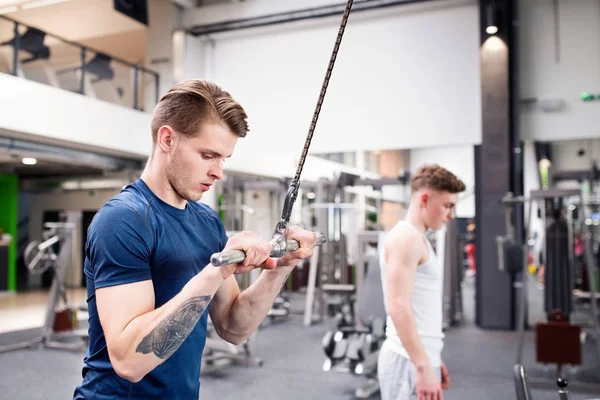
{"x":585,"y":96}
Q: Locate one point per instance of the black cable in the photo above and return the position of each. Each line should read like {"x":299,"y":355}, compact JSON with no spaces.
{"x":293,"y":190}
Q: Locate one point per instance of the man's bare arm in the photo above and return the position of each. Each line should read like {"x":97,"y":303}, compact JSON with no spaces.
{"x":169,"y":334}
{"x":139,"y":337}
{"x":404,"y":250}
{"x":236,"y":315}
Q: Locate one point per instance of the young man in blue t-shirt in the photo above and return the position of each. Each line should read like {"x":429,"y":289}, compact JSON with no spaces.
{"x":149,"y":279}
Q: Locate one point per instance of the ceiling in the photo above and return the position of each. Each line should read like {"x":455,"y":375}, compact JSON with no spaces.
{"x":43,"y":168}
{"x":78,"y":19}
{"x":92,"y":23}
{"x":56,"y":161}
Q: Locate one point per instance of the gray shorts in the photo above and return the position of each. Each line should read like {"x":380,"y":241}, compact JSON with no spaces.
{"x":397,"y":375}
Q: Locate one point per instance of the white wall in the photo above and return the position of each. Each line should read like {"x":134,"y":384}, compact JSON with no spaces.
{"x":578,"y":69}
{"x":397,"y":83}
{"x":40,"y":110}
{"x":565,"y":157}
{"x":458,"y":160}
{"x":36,"y":111}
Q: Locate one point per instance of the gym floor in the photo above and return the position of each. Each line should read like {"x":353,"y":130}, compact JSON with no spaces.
{"x":480,"y":364}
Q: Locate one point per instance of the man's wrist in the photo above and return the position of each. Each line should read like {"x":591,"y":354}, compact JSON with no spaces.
{"x":279,"y":274}
{"x":224,"y":271}
{"x":422,"y":366}
{"x":285,"y":263}
{"x":281,"y":269}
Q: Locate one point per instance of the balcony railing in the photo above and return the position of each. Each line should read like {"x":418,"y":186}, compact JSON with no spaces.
{"x":35,"y":55}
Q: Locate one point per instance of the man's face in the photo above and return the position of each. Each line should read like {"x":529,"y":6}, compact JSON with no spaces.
{"x":438,"y":208}
{"x":196,"y":163}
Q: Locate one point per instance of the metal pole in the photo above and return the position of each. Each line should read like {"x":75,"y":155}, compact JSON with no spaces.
{"x":590,"y":266}
{"x":157,"y":76}
{"x":135,"y":87}
{"x":522,"y":305}
{"x":82,"y":83}
{"x":16,"y":46}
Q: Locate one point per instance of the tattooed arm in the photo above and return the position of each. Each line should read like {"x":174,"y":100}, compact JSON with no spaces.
{"x":139,"y":337}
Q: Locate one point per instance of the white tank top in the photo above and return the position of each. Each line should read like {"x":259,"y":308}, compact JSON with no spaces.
{"x":426,"y":302}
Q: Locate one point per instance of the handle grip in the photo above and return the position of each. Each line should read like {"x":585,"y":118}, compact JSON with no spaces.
{"x":237,"y":256}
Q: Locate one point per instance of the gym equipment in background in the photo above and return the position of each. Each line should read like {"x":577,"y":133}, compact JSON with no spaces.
{"x":60,"y":325}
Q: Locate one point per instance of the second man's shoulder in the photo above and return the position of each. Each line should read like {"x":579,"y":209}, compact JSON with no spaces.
{"x":402,"y":237}
{"x":404,"y":233}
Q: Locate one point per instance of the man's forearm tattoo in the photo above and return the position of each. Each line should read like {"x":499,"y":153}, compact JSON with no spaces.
{"x":172,"y":331}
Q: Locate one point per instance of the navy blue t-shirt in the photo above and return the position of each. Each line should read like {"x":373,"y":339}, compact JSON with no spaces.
{"x":135,"y":237}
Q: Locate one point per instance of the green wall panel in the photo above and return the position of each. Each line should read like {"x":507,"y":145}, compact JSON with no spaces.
{"x":9,"y":194}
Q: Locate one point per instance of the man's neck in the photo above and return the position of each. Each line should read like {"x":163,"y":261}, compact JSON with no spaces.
{"x":413,"y":218}
{"x":159,"y":184}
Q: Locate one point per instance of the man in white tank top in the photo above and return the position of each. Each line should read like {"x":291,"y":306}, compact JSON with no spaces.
{"x":410,"y":364}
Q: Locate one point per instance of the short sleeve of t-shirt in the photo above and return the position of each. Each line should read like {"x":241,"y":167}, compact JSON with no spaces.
{"x":119,"y":246}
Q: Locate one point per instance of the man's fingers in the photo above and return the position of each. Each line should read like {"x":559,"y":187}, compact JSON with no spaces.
{"x":305,"y":239}
{"x":310,"y":240}
{"x":267,"y":249}
{"x":445,"y":381}
{"x":269,"y":263}
{"x":302,"y":253}
{"x":250,"y":256}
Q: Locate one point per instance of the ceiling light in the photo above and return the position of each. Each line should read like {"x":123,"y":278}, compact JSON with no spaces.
{"x":29,"y":161}
{"x":492,"y":26}
{"x":492,"y":29}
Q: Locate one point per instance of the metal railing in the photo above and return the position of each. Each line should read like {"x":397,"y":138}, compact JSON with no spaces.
{"x":50,"y":59}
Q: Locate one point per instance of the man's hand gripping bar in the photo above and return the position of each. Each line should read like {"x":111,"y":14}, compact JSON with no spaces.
{"x":237,"y":256}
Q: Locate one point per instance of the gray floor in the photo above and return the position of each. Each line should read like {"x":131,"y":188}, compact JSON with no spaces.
{"x":480,"y":364}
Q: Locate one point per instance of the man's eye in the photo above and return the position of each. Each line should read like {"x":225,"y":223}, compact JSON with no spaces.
{"x":207,"y":156}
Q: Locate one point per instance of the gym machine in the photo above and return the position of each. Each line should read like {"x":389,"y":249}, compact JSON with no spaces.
{"x":559,"y":288}
{"x":523,"y":389}
{"x":453,"y":262}
{"x":220,"y":354}
{"x":330,"y":285}
{"x":330,"y":289}
{"x":249,"y":203}
{"x":59,"y":326}
{"x":353,"y":347}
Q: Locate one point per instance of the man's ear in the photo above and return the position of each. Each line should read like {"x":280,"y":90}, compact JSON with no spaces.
{"x":424,"y":198}
{"x":165,"y":139}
